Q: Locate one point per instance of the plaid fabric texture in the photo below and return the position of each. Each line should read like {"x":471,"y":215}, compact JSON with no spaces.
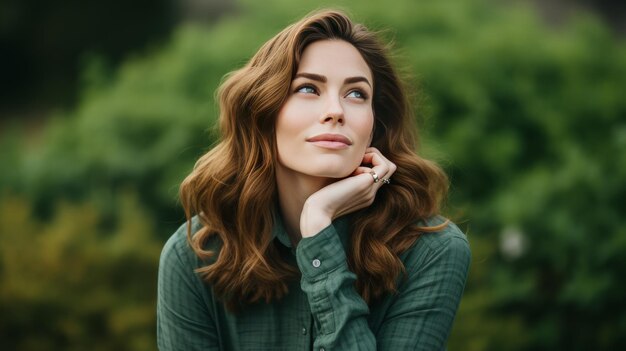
{"x":322,"y":311}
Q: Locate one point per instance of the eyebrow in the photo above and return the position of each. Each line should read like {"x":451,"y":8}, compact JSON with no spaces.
{"x":323,"y":79}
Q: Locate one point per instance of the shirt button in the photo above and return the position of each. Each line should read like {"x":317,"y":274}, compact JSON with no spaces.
{"x":303,"y":331}
{"x":316,"y":263}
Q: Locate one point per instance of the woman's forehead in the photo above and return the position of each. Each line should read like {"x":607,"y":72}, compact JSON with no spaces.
{"x":334,"y":57}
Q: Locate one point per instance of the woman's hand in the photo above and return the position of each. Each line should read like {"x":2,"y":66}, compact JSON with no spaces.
{"x":347,"y":195}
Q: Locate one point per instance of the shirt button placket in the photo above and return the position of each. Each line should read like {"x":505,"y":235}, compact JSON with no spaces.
{"x":316,"y":263}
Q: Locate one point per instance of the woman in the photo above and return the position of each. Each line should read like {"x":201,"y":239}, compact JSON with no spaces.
{"x":298,"y":237}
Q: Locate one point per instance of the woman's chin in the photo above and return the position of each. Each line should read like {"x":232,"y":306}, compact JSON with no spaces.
{"x":338,"y":173}
{"x":334,"y":170}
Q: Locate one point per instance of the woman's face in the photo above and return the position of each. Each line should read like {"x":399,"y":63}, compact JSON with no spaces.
{"x":326,"y":123}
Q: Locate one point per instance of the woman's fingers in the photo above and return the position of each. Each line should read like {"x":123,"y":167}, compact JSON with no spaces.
{"x":381,"y":166}
{"x":373,"y":158}
{"x":361,"y":170}
{"x":356,"y":191}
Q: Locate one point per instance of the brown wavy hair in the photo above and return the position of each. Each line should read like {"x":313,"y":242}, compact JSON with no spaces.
{"x":232,"y":188}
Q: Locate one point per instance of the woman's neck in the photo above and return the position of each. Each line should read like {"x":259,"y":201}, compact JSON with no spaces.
{"x":293,"y":190}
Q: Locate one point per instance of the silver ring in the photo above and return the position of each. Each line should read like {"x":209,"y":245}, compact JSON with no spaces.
{"x":386,"y":181}
{"x":375,"y":176}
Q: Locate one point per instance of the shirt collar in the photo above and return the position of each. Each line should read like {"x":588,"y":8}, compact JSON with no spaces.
{"x":341,"y":225}
{"x":278,"y":230}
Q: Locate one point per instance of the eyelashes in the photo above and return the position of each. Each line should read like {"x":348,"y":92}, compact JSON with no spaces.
{"x":359,"y":94}
{"x":312,"y":89}
{"x":307,"y":89}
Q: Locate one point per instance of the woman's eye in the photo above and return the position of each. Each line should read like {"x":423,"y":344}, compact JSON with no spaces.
{"x":307,"y":89}
{"x":357,"y":94}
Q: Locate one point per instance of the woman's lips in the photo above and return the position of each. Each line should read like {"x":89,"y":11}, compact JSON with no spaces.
{"x":330,"y":141}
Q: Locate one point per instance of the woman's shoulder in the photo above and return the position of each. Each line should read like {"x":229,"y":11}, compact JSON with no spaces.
{"x":178,"y":247}
{"x":441,"y":240}
{"x":440,"y":232}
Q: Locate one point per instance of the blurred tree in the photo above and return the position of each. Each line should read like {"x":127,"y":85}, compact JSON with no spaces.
{"x":534,"y":121}
{"x":41,"y":42}
{"x":43,"y":45}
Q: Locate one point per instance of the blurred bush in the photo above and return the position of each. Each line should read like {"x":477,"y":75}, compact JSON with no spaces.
{"x":528,"y":120}
{"x":67,"y":284}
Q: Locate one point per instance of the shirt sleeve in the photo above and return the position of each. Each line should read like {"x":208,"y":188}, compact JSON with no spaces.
{"x":339,"y":312}
{"x":421,"y":315}
{"x":183,"y":319}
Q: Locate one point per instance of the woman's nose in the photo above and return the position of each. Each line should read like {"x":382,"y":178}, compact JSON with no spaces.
{"x":333,"y":112}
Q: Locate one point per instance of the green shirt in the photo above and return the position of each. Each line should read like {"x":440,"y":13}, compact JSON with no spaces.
{"x":322,"y":311}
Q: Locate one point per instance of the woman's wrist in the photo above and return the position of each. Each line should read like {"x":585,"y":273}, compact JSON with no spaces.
{"x":313,"y":219}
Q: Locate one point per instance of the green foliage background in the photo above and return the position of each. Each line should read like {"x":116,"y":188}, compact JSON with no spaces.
{"x":529,"y":121}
